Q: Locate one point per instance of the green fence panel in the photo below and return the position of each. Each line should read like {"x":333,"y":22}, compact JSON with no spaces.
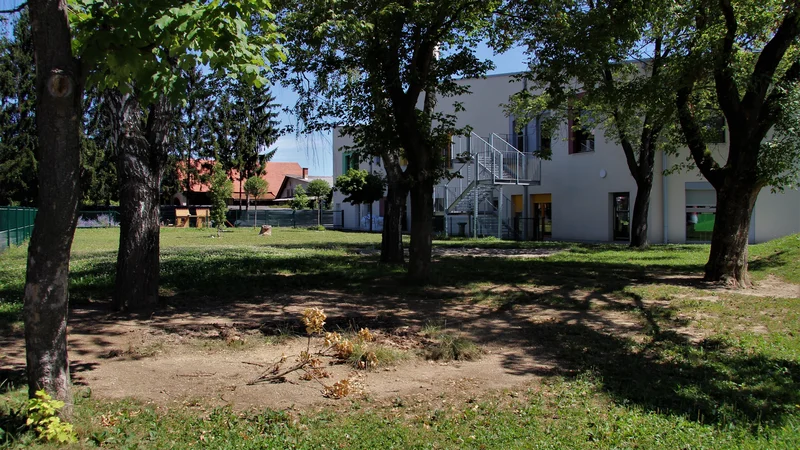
{"x":16,"y":225}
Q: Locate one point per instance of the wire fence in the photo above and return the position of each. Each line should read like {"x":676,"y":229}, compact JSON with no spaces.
{"x":283,"y":218}
{"x":16,"y":225}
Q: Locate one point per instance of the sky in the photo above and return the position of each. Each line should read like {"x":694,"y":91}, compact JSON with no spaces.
{"x":316,"y":152}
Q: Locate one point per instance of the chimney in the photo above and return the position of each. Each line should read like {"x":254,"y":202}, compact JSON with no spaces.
{"x":305,"y":173}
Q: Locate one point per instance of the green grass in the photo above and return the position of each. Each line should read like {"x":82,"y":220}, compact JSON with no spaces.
{"x":735,"y":383}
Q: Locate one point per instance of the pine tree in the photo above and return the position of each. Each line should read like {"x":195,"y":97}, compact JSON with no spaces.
{"x":18,"y":142}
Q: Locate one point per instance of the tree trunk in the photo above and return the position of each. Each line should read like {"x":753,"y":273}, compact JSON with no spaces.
{"x":727,"y":261}
{"x":392,"y":236}
{"x":641,"y":210}
{"x":139,"y":166}
{"x":421,"y":230}
{"x":59,"y":93}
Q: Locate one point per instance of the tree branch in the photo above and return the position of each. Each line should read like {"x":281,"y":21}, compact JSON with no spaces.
{"x":19,"y":8}
{"x":694,"y":138}
{"x":771,"y":109}
{"x":627,"y":147}
{"x":770,"y":58}
{"x":727,"y":90}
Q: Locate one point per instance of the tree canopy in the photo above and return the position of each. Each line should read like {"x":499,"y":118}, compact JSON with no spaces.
{"x":376,"y":69}
{"x":360,"y":186}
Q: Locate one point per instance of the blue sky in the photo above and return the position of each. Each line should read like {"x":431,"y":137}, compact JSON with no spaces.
{"x":316,"y":152}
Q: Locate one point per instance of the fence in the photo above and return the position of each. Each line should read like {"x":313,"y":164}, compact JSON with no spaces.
{"x":281,"y":218}
{"x":16,"y":225}
{"x":98,"y":219}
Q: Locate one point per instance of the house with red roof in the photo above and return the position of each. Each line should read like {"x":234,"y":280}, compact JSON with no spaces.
{"x":275,"y":176}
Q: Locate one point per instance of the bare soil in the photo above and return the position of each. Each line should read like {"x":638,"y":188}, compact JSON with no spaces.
{"x":208,"y":356}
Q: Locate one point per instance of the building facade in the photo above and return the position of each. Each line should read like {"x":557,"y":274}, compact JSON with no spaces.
{"x":583,"y":193}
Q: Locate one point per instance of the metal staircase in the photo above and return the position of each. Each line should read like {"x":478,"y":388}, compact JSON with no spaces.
{"x":486,"y":166}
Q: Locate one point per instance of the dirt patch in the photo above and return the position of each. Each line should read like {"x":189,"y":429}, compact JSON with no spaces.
{"x":199,"y":354}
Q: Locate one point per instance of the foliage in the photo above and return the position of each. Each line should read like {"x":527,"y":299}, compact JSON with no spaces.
{"x":300,"y":200}
{"x":375,"y":71}
{"x":18,"y":141}
{"x":220,"y":191}
{"x":256,"y":186}
{"x":43,"y":418}
{"x":98,"y":154}
{"x":242,"y":125}
{"x":618,"y":83}
{"x":360,"y":186}
{"x":137,"y":45}
{"x":741,"y":58}
{"x":321,"y":190}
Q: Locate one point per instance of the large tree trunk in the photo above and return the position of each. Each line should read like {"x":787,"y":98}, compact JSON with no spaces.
{"x":139,"y":166}
{"x":421,"y":230}
{"x":59,"y":93}
{"x":641,"y":210}
{"x":727,"y":261}
{"x":392,"y":237}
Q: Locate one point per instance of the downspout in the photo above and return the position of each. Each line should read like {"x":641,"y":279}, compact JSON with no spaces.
{"x":664,"y":195}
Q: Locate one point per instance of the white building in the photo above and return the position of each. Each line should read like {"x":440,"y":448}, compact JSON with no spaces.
{"x":584,"y":193}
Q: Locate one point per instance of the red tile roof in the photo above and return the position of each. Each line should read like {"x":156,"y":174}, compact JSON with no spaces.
{"x":276,"y":172}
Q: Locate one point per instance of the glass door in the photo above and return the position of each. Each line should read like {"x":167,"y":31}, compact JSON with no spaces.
{"x":622,"y":217}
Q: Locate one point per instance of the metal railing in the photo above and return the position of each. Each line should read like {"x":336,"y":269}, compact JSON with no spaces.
{"x":16,"y":225}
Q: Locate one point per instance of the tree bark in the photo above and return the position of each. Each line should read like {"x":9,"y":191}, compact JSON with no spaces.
{"x":727,"y":262}
{"x":59,"y":93}
{"x":643,"y":175}
{"x":641,"y":210}
{"x":392,"y":236}
{"x":140,"y":164}
{"x":421,"y":230}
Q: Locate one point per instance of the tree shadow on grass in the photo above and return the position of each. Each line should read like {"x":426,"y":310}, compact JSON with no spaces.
{"x":709,"y":383}
{"x":651,"y":365}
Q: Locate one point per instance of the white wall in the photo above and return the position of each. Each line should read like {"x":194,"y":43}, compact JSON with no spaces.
{"x":581,"y":198}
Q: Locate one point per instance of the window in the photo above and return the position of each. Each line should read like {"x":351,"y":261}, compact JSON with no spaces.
{"x":447,"y":155}
{"x":621,"y":216}
{"x":518,"y":139}
{"x":581,"y":139}
{"x":714,"y":128}
{"x":545,"y":138}
{"x":349,"y":162}
{"x":701,"y":210}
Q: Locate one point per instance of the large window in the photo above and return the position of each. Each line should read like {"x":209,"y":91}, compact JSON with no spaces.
{"x":622,"y":216}
{"x":701,"y":209}
{"x":581,"y":139}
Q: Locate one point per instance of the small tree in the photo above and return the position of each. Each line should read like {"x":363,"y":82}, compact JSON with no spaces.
{"x":255,"y":186}
{"x":361,"y":187}
{"x":221,"y":190}
{"x":321,"y":190}
{"x":300,"y":200}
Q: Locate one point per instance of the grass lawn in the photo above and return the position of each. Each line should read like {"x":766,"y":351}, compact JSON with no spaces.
{"x":635,"y":351}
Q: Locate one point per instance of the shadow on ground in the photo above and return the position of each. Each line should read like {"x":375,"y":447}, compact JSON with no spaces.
{"x":575,"y":316}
